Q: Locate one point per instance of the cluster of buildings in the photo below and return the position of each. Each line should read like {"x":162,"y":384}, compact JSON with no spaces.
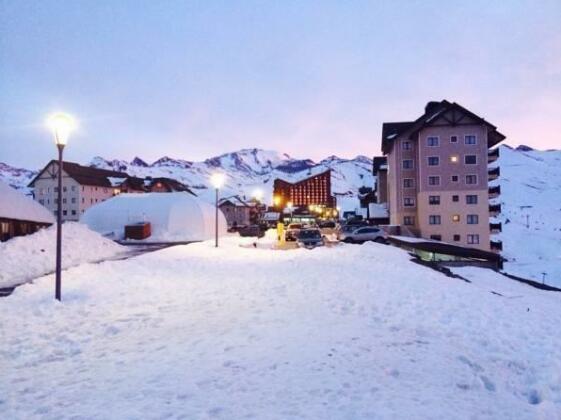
{"x":436,"y":179}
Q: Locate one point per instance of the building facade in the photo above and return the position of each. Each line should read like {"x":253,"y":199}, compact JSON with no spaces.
{"x":314,"y":190}
{"x":84,"y":186}
{"x":438,"y":175}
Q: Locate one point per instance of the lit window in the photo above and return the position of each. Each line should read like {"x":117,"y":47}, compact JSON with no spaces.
{"x":454,"y":158}
{"x":456,"y":218}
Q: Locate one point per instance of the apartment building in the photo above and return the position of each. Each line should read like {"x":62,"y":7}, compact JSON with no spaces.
{"x":438,"y":174}
{"x":84,"y":186}
{"x":312,"y":190}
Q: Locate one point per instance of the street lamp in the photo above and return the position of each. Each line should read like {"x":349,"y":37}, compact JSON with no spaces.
{"x":217,"y":180}
{"x":61,"y":125}
{"x":258,"y":194}
{"x":290,"y":209}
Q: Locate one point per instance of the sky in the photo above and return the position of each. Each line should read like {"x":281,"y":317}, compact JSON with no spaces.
{"x":195,"y":79}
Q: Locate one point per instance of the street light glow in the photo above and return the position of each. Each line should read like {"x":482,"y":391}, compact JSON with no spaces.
{"x":61,"y":125}
{"x":217,"y":180}
{"x":258,"y":194}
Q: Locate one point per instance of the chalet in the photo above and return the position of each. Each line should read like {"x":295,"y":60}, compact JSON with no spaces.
{"x":20,"y":215}
{"x":239,"y":212}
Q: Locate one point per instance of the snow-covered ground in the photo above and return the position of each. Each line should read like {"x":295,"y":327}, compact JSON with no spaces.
{"x":346,"y":332}
{"x":27,"y":257}
{"x":531,"y":213}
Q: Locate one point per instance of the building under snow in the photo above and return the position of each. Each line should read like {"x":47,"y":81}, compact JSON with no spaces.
{"x":20,"y":215}
{"x":173,"y":217}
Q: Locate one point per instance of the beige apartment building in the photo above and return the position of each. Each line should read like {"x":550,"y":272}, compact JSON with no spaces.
{"x":84,"y":186}
{"x":438,"y":174}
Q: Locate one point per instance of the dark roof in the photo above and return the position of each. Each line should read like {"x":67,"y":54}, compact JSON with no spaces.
{"x":171,"y":184}
{"x":433,"y":109}
{"x":85,"y":175}
{"x":377,"y":162}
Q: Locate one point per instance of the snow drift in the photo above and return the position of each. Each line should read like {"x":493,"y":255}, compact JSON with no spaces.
{"x":175,"y":217}
{"x":15,"y":205}
{"x":27,"y":257}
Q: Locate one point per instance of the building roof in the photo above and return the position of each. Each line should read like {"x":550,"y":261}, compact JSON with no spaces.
{"x":171,"y":184}
{"x":15,"y":205}
{"x":433,"y":110}
{"x":84,"y":175}
{"x":233,"y":200}
{"x":378,"y":163}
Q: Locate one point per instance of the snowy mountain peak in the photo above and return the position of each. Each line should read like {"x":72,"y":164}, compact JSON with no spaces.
{"x":139,"y":162}
{"x":167,"y":161}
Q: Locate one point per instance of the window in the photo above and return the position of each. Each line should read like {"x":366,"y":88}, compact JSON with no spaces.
{"x":470,"y":159}
{"x":455,"y":198}
{"x":472,"y":239}
{"x":434,"y":200}
{"x":64,"y":212}
{"x":434,"y":219}
{"x":471,"y":179}
{"x":433,"y":141}
{"x":406,"y":145}
{"x":455,"y":217}
{"x":436,"y":237}
{"x":56,"y":189}
{"x":407,"y":163}
{"x":73,"y":212}
{"x":56,"y":200}
{"x":63,"y":189}
{"x":83,"y":199}
{"x":453,"y":139}
{"x":408,"y":183}
{"x":64,"y":201}
{"x":434,"y":180}
{"x":73,"y":188}
{"x":91,"y":200}
{"x":454,"y":159}
{"x":471,"y":199}
{"x":73,"y":200}
{"x":470,"y":139}
{"x":454,"y":178}
{"x":472,"y":219}
{"x":457,"y":238}
{"x":83,"y":188}
{"x":433,"y":160}
{"x":408,"y":202}
{"x":408,"y":220}
{"x":41,"y":201}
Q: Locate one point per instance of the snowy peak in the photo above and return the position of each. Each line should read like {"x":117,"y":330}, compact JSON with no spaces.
{"x":167,"y":161}
{"x":139,"y":162}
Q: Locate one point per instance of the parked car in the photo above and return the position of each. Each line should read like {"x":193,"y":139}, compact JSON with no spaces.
{"x":310,"y":238}
{"x":292,"y":231}
{"x":252,"y":230}
{"x":363,"y":234}
{"x":327,"y":224}
{"x":349,"y":227}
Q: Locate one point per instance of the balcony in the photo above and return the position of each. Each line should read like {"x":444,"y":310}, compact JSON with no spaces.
{"x":494,"y":210}
{"x":494,"y":173}
{"x":496,"y":246}
{"x":492,"y":155}
{"x":495,"y":227}
{"x":494,"y":192}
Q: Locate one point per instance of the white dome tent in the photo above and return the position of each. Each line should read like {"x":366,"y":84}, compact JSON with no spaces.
{"x":174,"y":217}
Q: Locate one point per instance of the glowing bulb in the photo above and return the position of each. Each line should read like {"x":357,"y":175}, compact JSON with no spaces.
{"x":217,"y":180}
{"x":61,"y":125}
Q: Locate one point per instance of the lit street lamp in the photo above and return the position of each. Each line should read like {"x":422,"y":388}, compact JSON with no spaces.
{"x":258,"y":195}
{"x":216,"y":180}
{"x":61,"y":125}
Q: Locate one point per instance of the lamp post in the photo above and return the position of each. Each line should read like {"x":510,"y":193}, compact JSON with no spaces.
{"x":290,"y":209}
{"x":61,"y":126}
{"x":216,"y":180}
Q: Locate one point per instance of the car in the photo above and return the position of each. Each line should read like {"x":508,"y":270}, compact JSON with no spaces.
{"x":310,"y":238}
{"x":362,"y":234}
{"x":292,"y":231}
{"x":252,"y":230}
{"x":327,"y":224}
{"x":348,"y":228}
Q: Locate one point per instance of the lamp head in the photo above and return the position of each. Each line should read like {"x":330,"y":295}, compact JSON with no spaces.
{"x":61,"y":125}
{"x":258,"y":194}
{"x":217,"y":180}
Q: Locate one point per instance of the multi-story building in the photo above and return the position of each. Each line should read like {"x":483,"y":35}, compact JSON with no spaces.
{"x":438,"y":175}
{"x":314,"y":190}
{"x":84,"y":186}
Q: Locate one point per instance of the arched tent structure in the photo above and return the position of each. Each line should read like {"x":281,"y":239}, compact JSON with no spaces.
{"x":174,"y":217}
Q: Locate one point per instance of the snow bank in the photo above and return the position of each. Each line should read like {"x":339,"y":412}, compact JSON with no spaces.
{"x":15,"y":205}
{"x":27,"y":257}
{"x":349,"y":332}
{"x":175,"y":217}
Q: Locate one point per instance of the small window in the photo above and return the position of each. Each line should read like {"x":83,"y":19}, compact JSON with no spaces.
{"x":457,"y":238}
{"x":73,"y":188}
{"x":408,"y":183}
{"x":470,"y":139}
{"x":471,"y":179}
{"x":63,"y":189}
{"x":436,"y":237}
{"x":434,"y":200}
{"x":454,"y":178}
{"x":454,"y":159}
{"x":64,"y":201}
{"x":73,"y":212}
{"x":406,"y":145}
{"x":434,"y":180}
{"x":433,"y":141}
{"x":472,"y":219}
{"x":408,"y":202}
{"x":64,"y":212}
{"x":453,"y":139}
{"x":407,"y":163}
{"x":56,"y":189}
{"x":455,"y":217}
{"x":73,"y":200}
{"x":473,"y":239}
{"x":470,"y":159}
{"x":408,"y":220}
{"x":455,"y":198}
{"x":433,"y":160}
{"x":434,"y":219}
{"x":41,"y":201}
{"x":471,"y":199}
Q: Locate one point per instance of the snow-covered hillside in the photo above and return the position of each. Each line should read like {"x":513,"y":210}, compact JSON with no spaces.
{"x":345,"y":332}
{"x":531,"y":213}
{"x":16,"y":177}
